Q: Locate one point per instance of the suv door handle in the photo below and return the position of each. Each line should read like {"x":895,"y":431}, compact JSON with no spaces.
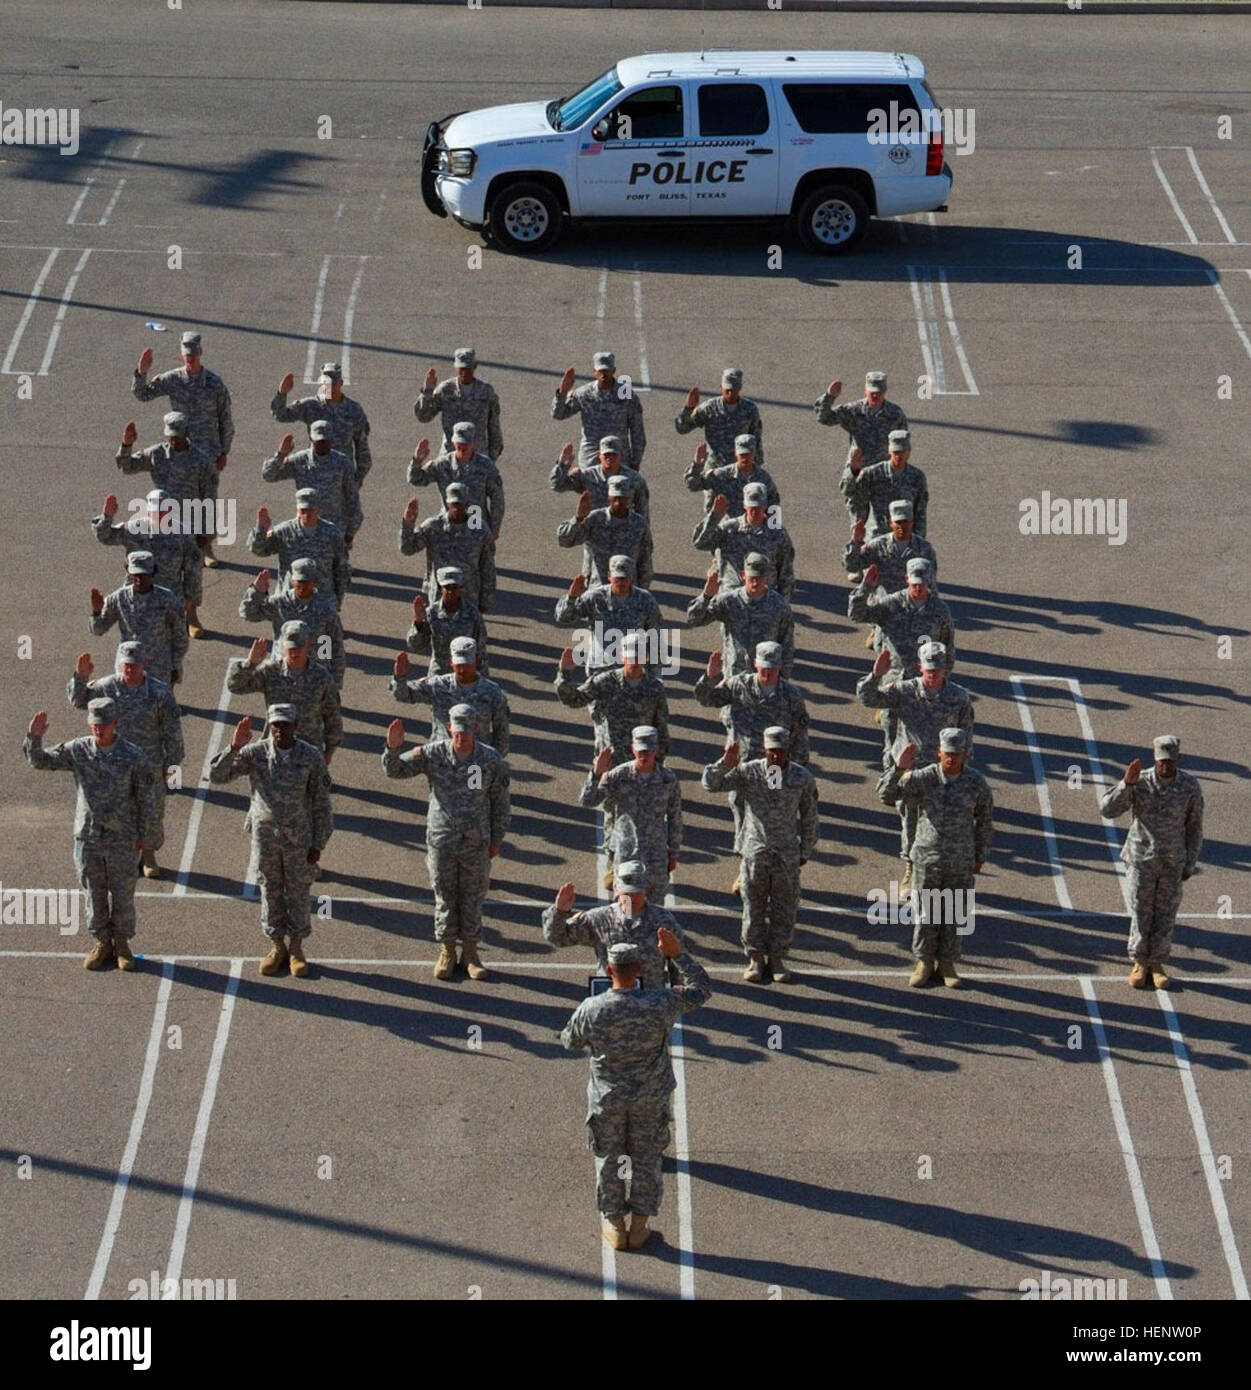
{"x":757,"y":150}
{"x":670,"y":154}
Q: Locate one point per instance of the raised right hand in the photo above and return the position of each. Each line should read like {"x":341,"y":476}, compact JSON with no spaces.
{"x":83,"y":667}
{"x":578,"y":587}
{"x":431,"y":381}
{"x":243,"y":732}
{"x":907,"y":759}
{"x":145,"y":361}
{"x":411,"y":512}
{"x":712,"y":583}
{"x":882,"y":664}
{"x":713,"y":669}
{"x":721,"y":504}
{"x":97,"y":602}
{"x":603,"y":761}
{"x":565,"y":896}
{"x":566,"y":381}
{"x":402,"y":667}
{"x":38,"y":726}
{"x":1133,"y":771}
{"x":584,"y":506}
{"x":261,"y":582}
{"x":871,"y":577}
{"x":692,"y":398}
{"x":286,"y":384}
{"x":566,"y":659}
{"x":395,"y":734}
{"x":419,"y":609}
{"x":129,"y":433}
{"x":258,"y":651}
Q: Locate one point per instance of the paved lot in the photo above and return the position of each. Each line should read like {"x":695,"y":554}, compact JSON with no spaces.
{"x":1069,"y":1124}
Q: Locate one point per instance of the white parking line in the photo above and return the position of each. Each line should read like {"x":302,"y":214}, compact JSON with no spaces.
{"x":314,"y":326}
{"x":156,"y":1037}
{"x":930,"y":329}
{"x":1044,"y":794}
{"x":62,"y":309}
{"x":31,"y":301}
{"x":195,"y":1156}
{"x":601,"y":296}
{"x":682,"y":1150}
{"x":201,"y":791}
{"x":349,"y":316}
{"x":1207,"y":193}
{"x":111,"y":204}
{"x":1151,"y":1245}
{"x":645,"y":379}
{"x":1172,"y":197}
{"x":88,"y":182}
{"x":1214,"y":280}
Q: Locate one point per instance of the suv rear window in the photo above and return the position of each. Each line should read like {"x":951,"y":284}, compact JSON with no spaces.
{"x":733,"y":108}
{"x":843,"y":108}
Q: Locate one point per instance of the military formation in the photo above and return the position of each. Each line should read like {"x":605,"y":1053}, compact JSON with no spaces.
{"x":614,"y":665}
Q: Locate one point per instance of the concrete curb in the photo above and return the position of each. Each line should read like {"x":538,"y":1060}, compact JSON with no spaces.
{"x":1100,"y":7}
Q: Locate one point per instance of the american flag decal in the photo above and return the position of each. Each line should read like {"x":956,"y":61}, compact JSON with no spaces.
{"x":590,"y":147}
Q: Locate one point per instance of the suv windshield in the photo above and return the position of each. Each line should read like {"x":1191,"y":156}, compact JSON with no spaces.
{"x":572,"y":111}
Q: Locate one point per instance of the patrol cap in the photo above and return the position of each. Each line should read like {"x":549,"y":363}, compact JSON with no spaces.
{"x":332,"y":370}
{"x":645,"y":738}
{"x":464,"y":357}
{"x":464,"y":650}
{"x":175,"y":424}
{"x":463,"y":718}
{"x":901,"y":509}
{"x":464,"y":432}
{"x":732,"y":376}
{"x":621,"y":567}
{"x":320,"y":429}
{"x":756,"y":563}
{"x":296,"y":634}
{"x":875,"y":381}
{"x":619,"y":486}
{"x":775,"y":736}
{"x":744,"y":443}
{"x":755,"y":495}
{"x":131,"y":652}
{"x":140,"y":562}
{"x":952,"y":740}
{"x":624,"y":953}
{"x":610,"y":444}
{"x":156,"y":497}
{"x":932,"y":655}
{"x":306,"y":497}
{"x":631,"y":877}
{"x":448,"y":575}
{"x":101,"y":710}
{"x":456,"y":492}
{"x":769,"y":654}
{"x":304,"y":568}
{"x":191,"y":341}
{"x":282,"y":714}
{"x":920,"y":571}
{"x":1166,"y":746}
{"x":604,"y":361}
{"x":899,"y":440}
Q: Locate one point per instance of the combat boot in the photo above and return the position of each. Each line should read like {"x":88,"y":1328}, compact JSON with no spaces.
{"x":470,"y":960}
{"x":195,"y":628}
{"x":211,"y":561}
{"x":737,"y":886}
{"x":99,"y":955}
{"x":615,"y":1232}
{"x":125,"y":956}
{"x":754,"y":973}
{"x":921,"y":972}
{"x":777,"y":968}
{"x":295,"y":953}
{"x":276,"y":962}
{"x":609,"y":874}
{"x":445,"y":966}
{"x":151,"y":869}
{"x":639,"y":1232}
{"x":1138,"y":975}
{"x":1158,"y":978}
{"x":947,"y":969}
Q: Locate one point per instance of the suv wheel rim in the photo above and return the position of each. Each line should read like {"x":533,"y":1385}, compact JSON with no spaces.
{"x":833,"y":222}
{"x":526,"y":219}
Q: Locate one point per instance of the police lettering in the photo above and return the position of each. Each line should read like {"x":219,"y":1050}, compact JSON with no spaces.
{"x":705,"y":171}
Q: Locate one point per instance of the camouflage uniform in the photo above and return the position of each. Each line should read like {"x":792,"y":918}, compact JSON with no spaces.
{"x":202,"y":398}
{"x":954,"y":827}
{"x":735,"y":538}
{"x":646,"y":818}
{"x":618,"y":706}
{"x":190,"y":474}
{"x":603,"y":536}
{"x":289,"y":814}
{"x":332,"y":476}
{"x":311,"y":690}
{"x":480,"y":476}
{"x":318,"y":614}
{"x":436,"y":634}
{"x":156,"y":619}
{"x":628,"y":1107}
{"x":638,"y":611}
{"x":462,"y":823}
{"x":748,"y":709}
{"x":891,"y":558}
{"x":869,"y":426}
{"x":771,"y":852}
{"x":746,"y":622}
{"x":349,"y":425}
{"x":148,"y":716}
{"x":603,"y":927}
{"x":477,"y":402}
{"x":115,"y":813}
{"x":323,"y":543}
{"x":870,"y":492}
{"x":1161,"y":850}
{"x":722,"y":424}
{"x":448,"y":542}
{"x":729,"y":482}
{"x":442,"y":692}
{"x":179,"y":563}
{"x":604,"y":412}
{"x":595,"y":481}
{"x":904,"y":625}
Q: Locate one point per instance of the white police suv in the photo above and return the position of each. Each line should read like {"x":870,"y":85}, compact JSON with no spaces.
{"x":827,"y":139}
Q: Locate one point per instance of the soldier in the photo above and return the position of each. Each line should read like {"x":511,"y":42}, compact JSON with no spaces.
{"x":185,"y":470}
{"x":923,"y":706}
{"x":293,"y":680}
{"x":749,"y":614}
{"x":730,"y":480}
{"x":113,"y":819}
{"x":290,"y":821}
{"x":158,"y":530}
{"x":308,"y":534}
{"x":608,"y":531}
{"x":349,"y":425}
{"x":606,"y":407}
{"x":144,"y":612}
{"x":906,"y":617}
{"x":565,"y":477}
{"x":299,"y":601}
{"x":954,"y":827}
{"x":462,"y":463}
{"x":201,"y":396}
{"x":870,"y":491}
{"x":891,"y":552}
{"x":451,"y":615}
{"x":612,"y":610}
{"x":453,"y":539}
{"x":619,"y":699}
{"x":462,"y":397}
{"x":632,"y":917}
{"x":775,"y":793}
{"x":1160,"y":851}
{"x":646,"y":805}
{"x":466,"y":823}
{"x":735,"y":538}
{"x":325,"y":469}
{"x":868,"y":422}
{"x":628,"y":1108}
{"x":147,"y":716}
{"x":725,"y":420}
{"x":463,"y":685}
